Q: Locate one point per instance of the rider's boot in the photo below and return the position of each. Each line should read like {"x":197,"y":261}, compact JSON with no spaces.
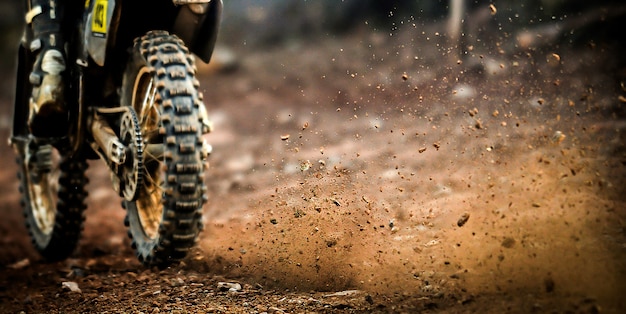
{"x":48,"y":112}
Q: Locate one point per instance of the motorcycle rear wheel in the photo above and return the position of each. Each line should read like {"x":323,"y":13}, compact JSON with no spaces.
{"x":53,"y":198}
{"x":165,"y":218}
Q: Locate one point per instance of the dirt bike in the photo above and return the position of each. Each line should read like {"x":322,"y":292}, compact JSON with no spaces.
{"x":134,"y":103}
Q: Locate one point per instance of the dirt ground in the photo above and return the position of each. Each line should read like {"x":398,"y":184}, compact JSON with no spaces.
{"x":375,"y":173}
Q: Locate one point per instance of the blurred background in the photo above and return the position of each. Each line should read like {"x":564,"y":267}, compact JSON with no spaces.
{"x":272,"y":21}
{"x":259,"y":23}
{"x":252,"y":25}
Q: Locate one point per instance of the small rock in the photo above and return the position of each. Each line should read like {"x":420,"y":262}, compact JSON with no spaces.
{"x":21,"y":264}
{"x":177,"y":282}
{"x":342,"y":293}
{"x":228,"y":286}
{"x":71,"y":286}
{"x":274,"y":309}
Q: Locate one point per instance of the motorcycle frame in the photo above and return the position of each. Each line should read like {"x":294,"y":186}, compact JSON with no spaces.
{"x":100,"y":57}
{"x":196,"y":22}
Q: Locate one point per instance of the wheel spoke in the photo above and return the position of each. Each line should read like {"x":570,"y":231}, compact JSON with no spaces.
{"x":149,"y":206}
{"x":148,"y":111}
{"x":154,"y":151}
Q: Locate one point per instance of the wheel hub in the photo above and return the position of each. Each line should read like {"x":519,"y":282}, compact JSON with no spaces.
{"x":131,"y":171}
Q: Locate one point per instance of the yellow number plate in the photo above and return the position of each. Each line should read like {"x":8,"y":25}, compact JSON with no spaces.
{"x":99,"y":19}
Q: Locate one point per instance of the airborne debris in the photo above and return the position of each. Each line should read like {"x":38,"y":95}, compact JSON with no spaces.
{"x":558,"y":137}
{"x":298,"y":213}
{"x":493,"y":9}
{"x":554,"y":59}
{"x":432,"y":243}
{"x":473,"y":112}
{"x":508,"y":242}
{"x":463,"y":219}
{"x":309,"y":262}
{"x":305,"y":165}
{"x":478,"y":124}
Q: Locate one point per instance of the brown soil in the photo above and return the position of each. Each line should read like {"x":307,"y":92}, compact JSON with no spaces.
{"x":375,"y":174}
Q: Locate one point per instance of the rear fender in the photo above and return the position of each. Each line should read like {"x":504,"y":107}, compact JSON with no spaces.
{"x":197,"y":24}
{"x":101,"y":15}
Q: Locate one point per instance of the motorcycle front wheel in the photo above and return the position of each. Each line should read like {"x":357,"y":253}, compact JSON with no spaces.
{"x":53,"y":197}
{"x":165,"y":217}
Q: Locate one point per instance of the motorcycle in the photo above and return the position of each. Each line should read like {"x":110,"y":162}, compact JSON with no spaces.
{"x":134,"y":103}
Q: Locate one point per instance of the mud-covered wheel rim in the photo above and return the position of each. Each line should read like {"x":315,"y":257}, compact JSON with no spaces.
{"x":42,"y":185}
{"x":149,"y":203}
{"x":53,"y":195}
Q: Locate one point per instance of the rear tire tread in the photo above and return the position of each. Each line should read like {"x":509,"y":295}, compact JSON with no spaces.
{"x":183,"y":190}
